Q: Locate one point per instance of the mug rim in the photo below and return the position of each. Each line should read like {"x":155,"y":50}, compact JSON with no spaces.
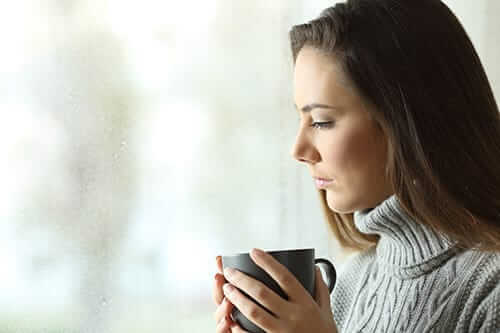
{"x":270,"y":252}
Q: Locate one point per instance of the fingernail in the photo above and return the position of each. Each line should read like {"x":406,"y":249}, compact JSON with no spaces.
{"x":257,"y":252}
{"x":215,"y":276}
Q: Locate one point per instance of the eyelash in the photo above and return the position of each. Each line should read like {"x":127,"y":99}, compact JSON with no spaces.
{"x":322,"y":125}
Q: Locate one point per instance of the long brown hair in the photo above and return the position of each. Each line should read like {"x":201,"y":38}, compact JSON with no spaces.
{"x":413,"y":60}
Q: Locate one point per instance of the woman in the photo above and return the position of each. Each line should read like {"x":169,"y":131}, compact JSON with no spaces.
{"x":399,"y":121}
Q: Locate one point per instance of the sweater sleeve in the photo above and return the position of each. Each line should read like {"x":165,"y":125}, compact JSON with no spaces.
{"x":486,"y":318}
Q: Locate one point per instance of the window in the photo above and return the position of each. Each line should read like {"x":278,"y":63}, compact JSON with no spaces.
{"x":139,"y":140}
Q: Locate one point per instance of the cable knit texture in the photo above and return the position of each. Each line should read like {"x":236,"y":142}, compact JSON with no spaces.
{"x":415,"y":280}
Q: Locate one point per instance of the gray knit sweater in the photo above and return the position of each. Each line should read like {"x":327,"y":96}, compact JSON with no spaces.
{"x":415,"y":280}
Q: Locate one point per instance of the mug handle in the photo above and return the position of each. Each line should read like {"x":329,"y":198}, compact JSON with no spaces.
{"x":330,"y":272}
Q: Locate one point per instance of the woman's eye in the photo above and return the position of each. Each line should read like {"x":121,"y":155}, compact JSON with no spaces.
{"x":321,"y":125}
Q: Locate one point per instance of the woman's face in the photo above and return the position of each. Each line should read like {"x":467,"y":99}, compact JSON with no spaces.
{"x":337,"y":139}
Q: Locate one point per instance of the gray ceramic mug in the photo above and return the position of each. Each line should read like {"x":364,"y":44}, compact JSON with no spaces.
{"x":300,"y":262}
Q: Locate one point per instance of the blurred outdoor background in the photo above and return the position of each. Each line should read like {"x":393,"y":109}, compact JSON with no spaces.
{"x":140,"y":139}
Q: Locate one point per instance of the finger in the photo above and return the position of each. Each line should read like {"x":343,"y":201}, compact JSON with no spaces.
{"x":251,"y":310}
{"x":218,"y":260}
{"x":223,"y":327}
{"x":322,"y":294}
{"x":223,"y":310}
{"x":217,"y":293}
{"x":258,"y":291}
{"x":286,"y":280}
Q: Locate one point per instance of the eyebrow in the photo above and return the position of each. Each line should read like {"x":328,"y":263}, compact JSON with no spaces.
{"x":309,"y":107}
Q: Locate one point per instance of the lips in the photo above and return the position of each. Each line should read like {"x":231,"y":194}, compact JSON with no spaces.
{"x":322,"y":182}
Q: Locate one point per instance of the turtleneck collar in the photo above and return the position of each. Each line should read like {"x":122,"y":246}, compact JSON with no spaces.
{"x":406,"y":248}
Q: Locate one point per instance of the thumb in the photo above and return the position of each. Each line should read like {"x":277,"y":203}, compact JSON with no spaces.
{"x":322,"y":294}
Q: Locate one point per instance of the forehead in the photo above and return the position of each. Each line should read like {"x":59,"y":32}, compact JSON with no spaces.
{"x":317,"y":77}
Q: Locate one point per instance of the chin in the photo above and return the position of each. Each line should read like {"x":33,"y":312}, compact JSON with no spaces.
{"x":336,"y":206}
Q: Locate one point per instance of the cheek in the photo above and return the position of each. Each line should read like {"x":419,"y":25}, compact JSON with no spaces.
{"x":354,"y":153}
{"x":343,"y":151}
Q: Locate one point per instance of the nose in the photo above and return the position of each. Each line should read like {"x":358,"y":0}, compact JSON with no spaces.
{"x":304,"y":151}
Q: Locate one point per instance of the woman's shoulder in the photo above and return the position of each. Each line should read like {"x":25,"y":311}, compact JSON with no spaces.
{"x":482,"y":268}
{"x":478,"y":272}
{"x":479,"y":297}
{"x":485,"y":279}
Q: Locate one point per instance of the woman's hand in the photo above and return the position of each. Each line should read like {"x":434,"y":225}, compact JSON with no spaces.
{"x":300,"y":313}
{"x":224,"y":307}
